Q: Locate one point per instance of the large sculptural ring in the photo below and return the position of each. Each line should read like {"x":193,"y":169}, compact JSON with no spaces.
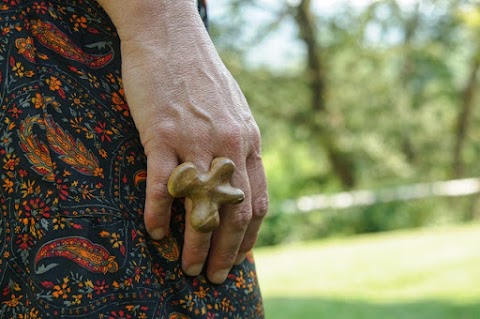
{"x":208,"y":191}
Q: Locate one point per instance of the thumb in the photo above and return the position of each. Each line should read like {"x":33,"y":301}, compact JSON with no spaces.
{"x":158,"y":201}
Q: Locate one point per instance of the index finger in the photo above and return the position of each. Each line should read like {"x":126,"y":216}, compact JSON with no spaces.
{"x":158,"y":201}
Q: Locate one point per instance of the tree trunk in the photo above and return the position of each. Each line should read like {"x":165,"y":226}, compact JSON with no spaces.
{"x":463,"y":122}
{"x":406,"y":74}
{"x":340,"y":161}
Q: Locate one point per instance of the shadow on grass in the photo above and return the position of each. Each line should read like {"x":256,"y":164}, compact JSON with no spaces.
{"x":320,"y":308}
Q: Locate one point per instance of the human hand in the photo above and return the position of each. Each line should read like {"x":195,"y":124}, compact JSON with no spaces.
{"x":188,"y":108}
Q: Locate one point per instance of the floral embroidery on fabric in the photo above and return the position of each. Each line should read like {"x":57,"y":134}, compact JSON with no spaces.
{"x":72,"y":183}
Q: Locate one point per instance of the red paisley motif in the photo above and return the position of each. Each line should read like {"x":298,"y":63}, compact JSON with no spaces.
{"x":81,"y":251}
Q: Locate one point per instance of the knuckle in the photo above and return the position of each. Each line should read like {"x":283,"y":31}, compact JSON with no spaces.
{"x":248,"y":244}
{"x":255,"y":132}
{"x":255,"y":161}
{"x":158,"y":191}
{"x":197,"y":248}
{"x":225,"y":258}
{"x":241,"y":220}
{"x":161,"y":131}
{"x":260,"y":207}
{"x":234,"y":136}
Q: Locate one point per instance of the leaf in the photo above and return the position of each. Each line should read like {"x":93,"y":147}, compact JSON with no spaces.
{"x":43,"y":269}
{"x":122,"y":250}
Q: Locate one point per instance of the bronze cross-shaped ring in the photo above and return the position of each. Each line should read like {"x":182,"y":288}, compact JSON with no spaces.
{"x":207,"y":191}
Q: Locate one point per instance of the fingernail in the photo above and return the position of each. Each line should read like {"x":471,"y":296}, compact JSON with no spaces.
{"x":220,"y":276}
{"x":157,"y":233}
{"x":194,"y":270}
{"x":240,"y":258}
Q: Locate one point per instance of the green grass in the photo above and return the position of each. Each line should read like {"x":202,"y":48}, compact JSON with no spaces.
{"x":420,"y":274}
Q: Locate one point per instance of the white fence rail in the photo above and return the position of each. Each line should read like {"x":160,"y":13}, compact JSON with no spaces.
{"x":451,"y":188}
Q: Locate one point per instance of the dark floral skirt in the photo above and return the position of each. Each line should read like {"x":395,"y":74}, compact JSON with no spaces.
{"x":72,"y":187}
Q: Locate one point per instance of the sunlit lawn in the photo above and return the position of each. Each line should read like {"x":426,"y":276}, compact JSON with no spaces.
{"x":420,"y":274}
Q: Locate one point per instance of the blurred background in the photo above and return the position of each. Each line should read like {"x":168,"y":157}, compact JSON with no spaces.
{"x":370,"y":117}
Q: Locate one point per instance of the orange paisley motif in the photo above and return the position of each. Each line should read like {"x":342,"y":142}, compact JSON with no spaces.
{"x":72,"y":152}
{"x":54,"y":39}
{"x":35,"y":150}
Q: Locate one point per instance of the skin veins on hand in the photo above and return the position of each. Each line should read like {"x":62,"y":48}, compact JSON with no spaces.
{"x":188,"y":108}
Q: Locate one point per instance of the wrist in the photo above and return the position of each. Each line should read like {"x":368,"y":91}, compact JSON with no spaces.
{"x":153,"y":20}
{"x":170,"y":34}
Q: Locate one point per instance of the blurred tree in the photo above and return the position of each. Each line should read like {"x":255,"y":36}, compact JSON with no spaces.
{"x":341,"y":161}
{"x":384,"y":94}
{"x":471,"y":20}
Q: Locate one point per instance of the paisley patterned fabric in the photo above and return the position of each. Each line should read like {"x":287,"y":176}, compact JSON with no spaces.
{"x":72,"y":187}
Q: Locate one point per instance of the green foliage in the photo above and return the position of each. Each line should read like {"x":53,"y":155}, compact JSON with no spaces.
{"x":395,"y":79}
{"x":281,"y":228}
